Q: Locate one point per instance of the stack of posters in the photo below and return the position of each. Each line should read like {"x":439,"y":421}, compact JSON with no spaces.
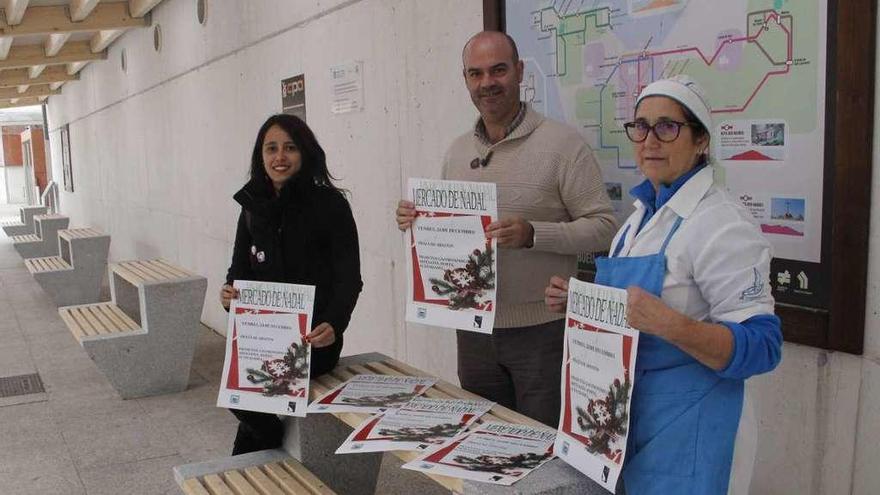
{"x":597,"y":381}
{"x":418,"y":425}
{"x":451,"y":263}
{"x":371,"y":394}
{"x":499,"y":453}
{"x":266,"y":368}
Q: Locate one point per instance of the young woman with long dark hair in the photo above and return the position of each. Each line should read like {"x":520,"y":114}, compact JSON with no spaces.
{"x":295,"y":227}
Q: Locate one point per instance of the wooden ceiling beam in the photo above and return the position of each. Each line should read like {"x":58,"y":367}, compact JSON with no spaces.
{"x":32,"y":92}
{"x":102,"y":39}
{"x":54,"y":43}
{"x":19,"y":102}
{"x":18,"y":77}
{"x":30,"y":55}
{"x":80,"y":9}
{"x":74,"y":68}
{"x":35,"y":71}
{"x":5,"y":45}
{"x":54,"y":19}
{"x":140,"y":8}
{"x":13,"y":11}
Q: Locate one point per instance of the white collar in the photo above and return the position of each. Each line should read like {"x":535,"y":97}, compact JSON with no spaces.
{"x":685,"y":200}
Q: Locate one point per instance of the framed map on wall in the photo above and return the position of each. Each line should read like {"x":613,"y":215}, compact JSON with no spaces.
{"x":791,"y":85}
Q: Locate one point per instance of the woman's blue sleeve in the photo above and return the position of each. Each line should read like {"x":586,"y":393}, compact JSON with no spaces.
{"x":757,"y":346}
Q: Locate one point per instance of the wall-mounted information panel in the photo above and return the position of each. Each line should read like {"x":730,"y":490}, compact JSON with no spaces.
{"x":793,"y":114}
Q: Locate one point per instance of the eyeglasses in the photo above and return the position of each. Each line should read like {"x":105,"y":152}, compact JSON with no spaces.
{"x":666,"y":131}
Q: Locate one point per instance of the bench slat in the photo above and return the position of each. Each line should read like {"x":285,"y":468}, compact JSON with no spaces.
{"x":217,"y":486}
{"x":82,"y":322}
{"x":156,"y":270}
{"x":193,"y":486}
{"x":262,"y":482}
{"x":132,"y":277}
{"x":306,"y":477}
{"x":99,"y":314}
{"x":126,"y":320}
{"x":90,"y":320}
{"x":94,"y":322}
{"x":288,"y":484}
{"x":114,"y":317}
{"x":239,"y":484}
{"x":72,"y":324}
{"x":180,"y":272}
{"x":144,"y":275}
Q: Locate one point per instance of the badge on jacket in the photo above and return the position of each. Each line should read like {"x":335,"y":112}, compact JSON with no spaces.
{"x":259,"y":255}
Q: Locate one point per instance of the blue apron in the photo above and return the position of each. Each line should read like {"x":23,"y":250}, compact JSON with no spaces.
{"x":684,"y":417}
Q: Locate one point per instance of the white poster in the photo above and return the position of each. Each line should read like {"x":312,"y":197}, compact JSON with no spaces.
{"x":266,"y":368}
{"x":371,"y":394}
{"x":418,"y":425}
{"x":597,"y":382}
{"x":451,"y":264}
{"x":347,"y":87}
{"x":499,"y":453}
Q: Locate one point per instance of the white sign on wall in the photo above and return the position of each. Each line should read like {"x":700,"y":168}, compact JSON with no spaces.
{"x":347,"y":87}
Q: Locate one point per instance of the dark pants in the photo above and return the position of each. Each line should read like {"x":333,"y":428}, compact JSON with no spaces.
{"x":262,"y":431}
{"x":519,"y":368}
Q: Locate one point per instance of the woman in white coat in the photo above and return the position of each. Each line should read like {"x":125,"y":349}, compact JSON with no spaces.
{"x":696,"y":270}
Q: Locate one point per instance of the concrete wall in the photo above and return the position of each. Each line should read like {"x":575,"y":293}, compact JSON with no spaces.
{"x":158,"y":151}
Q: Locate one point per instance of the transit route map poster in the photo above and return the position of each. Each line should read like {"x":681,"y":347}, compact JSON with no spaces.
{"x":762,"y":64}
{"x":450,"y":262}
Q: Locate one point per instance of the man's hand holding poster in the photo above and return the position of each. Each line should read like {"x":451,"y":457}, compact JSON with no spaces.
{"x":266,"y":368}
{"x":597,"y":382}
{"x":452,"y":265}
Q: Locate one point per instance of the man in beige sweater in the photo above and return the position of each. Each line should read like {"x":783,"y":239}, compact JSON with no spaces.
{"x":552,"y":205}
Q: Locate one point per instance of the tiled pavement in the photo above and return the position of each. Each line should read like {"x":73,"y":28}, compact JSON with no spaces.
{"x":79,"y":437}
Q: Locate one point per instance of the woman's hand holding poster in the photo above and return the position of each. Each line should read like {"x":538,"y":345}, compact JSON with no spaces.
{"x":452,"y":265}
{"x":597,"y":382}
{"x":267,"y":363}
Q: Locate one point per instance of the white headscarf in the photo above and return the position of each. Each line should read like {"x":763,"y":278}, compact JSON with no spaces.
{"x":685,"y":91}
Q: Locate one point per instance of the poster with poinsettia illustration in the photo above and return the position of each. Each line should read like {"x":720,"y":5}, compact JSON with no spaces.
{"x":417,"y":425}
{"x":371,"y":394}
{"x":498,"y":453}
{"x":597,"y":381}
{"x":266,"y":368}
{"x":451,"y":263}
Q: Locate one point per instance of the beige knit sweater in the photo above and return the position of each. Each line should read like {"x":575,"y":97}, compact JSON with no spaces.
{"x":547,"y":174}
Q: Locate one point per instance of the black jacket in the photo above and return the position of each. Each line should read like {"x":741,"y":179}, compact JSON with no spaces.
{"x":306,"y":235}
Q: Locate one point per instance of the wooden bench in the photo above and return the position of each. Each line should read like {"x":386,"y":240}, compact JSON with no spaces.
{"x":25,"y":225}
{"x":314,"y":439}
{"x":75,"y":275}
{"x":44,"y":241}
{"x":143,"y":340}
{"x":283,"y":476}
